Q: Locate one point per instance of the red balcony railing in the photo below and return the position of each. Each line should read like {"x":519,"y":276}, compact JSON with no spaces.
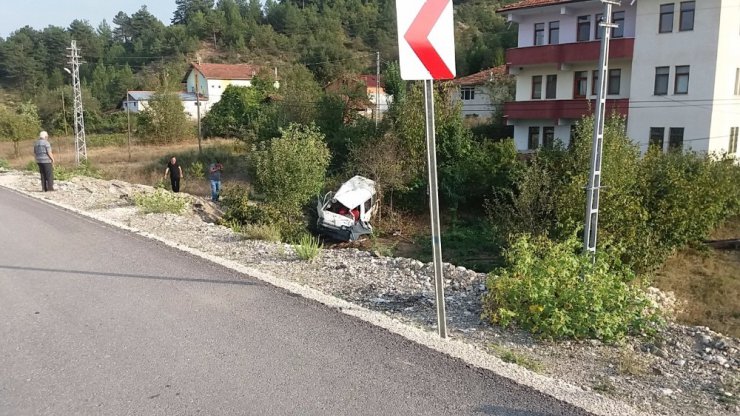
{"x":568,"y":52}
{"x":555,"y":109}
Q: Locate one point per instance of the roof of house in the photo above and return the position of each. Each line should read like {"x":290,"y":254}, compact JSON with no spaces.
{"x":480,"y":78}
{"x":371,"y":80}
{"x":226,"y":71}
{"x":525,"y":4}
{"x":147,"y":95}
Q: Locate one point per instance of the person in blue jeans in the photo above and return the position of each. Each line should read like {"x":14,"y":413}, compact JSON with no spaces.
{"x":214,"y":174}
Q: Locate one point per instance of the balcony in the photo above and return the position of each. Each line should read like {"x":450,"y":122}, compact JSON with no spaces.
{"x":557,"y":109}
{"x":568,"y":52}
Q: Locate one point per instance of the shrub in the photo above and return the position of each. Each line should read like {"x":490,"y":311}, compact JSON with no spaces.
{"x":308,"y":247}
{"x":31,"y":166}
{"x":160,"y":201}
{"x":196,"y":170}
{"x":84,"y":169}
{"x":552,"y":290}
{"x":265,"y":232}
{"x":290,"y":169}
{"x":4,"y":164}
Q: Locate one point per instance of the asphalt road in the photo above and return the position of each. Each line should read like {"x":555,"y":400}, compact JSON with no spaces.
{"x":95,"y":320}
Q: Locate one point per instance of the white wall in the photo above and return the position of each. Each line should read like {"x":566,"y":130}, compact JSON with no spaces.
{"x":726,"y":108}
{"x":480,"y":107}
{"x":696,"y":48}
{"x":521,"y":132}
{"x":568,"y":20}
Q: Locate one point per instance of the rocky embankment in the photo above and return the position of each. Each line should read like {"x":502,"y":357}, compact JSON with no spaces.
{"x":683,"y":371}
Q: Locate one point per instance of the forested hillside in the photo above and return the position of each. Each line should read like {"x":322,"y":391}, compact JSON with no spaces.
{"x":329,"y":37}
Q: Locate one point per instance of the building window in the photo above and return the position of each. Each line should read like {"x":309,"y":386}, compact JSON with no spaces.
{"x":554,"y":35}
{"x":686,"y":19}
{"x":539,"y":34}
{"x":580,"y":84}
{"x":734,"y":133}
{"x":534,"y":138}
{"x":675,"y":138}
{"x":618,"y":19}
{"x":681,"y":84}
{"x":666,"y":18}
{"x":548,"y":137}
{"x":661,"y":80}
{"x":598,"y":30}
{"x":537,"y":87}
{"x":737,"y":81}
{"x":551,"y":89}
{"x":584,"y":28}
{"x":657,"y":134}
{"x":615,"y":81}
{"x":594,"y":82}
{"x":467,"y":93}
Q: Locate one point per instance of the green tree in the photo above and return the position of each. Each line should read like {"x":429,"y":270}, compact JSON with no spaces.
{"x":241,"y":113}
{"x":291,"y":169}
{"x":19,"y":124}
{"x":164,"y":121}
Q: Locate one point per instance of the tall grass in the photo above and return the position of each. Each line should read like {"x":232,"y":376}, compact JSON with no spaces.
{"x":308,"y":248}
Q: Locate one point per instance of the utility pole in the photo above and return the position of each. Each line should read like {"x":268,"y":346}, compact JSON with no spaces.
{"x":377,"y":88}
{"x":80,"y":142}
{"x":64,"y":113}
{"x":197,"y":109}
{"x":128,"y":120}
{"x":590,"y":231}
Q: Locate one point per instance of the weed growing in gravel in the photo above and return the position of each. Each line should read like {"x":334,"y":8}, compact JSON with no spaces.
{"x":509,"y":356}
{"x":84,"y":169}
{"x":264,"y":232}
{"x":604,"y":385}
{"x":31,"y":166}
{"x":308,"y":247}
{"x":630,"y":364}
{"x":160,"y":201}
{"x":4,"y":164}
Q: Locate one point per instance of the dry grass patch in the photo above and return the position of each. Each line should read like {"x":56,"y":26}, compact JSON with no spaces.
{"x":707,"y":286}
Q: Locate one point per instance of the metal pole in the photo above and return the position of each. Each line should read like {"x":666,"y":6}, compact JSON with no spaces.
{"x":593,"y":190}
{"x":64,"y":113}
{"x":197,"y":110}
{"x":377,"y":88}
{"x":128,"y":120}
{"x":434,"y":207}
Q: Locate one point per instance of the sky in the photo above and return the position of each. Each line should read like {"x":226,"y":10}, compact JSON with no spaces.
{"x":15,"y":14}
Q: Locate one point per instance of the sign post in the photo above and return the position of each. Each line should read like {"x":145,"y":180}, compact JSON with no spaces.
{"x":426,"y":44}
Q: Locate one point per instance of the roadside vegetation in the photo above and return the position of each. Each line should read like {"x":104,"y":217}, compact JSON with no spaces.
{"x":517,"y":217}
{"x":160,"y":201}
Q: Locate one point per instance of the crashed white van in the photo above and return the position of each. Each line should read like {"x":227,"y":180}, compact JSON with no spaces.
{"x":345,"y":215}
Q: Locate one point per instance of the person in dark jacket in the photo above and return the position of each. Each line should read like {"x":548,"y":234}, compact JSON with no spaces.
{"x":175,"y":171}
{"x":45,"y":160}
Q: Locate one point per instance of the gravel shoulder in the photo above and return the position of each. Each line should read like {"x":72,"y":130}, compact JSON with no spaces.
{"x":684,"y":371}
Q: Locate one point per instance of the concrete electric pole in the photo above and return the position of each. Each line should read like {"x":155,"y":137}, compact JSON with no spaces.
{"x":80,"y":143}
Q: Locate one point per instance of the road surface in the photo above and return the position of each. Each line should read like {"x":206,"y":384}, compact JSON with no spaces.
{"x":96,"y":320}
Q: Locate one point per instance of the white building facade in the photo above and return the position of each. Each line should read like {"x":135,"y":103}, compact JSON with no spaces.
{"x":674,"y":71}
{"x":475,"y":98}
{"x":211,"y":80}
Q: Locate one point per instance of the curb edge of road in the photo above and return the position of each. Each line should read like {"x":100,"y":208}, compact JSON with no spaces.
{"x":558,"y":389}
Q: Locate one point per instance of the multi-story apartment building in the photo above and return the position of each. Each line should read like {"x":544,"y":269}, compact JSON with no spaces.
{"x":674,"y":71}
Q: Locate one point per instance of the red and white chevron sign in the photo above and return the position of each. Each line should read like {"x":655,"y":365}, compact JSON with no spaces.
{"x":426,"y":39}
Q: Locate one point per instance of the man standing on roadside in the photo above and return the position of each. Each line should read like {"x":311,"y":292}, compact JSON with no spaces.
{"x":45,"y":160}
{"x":175,"y":171}
{"x":214,"y":174}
